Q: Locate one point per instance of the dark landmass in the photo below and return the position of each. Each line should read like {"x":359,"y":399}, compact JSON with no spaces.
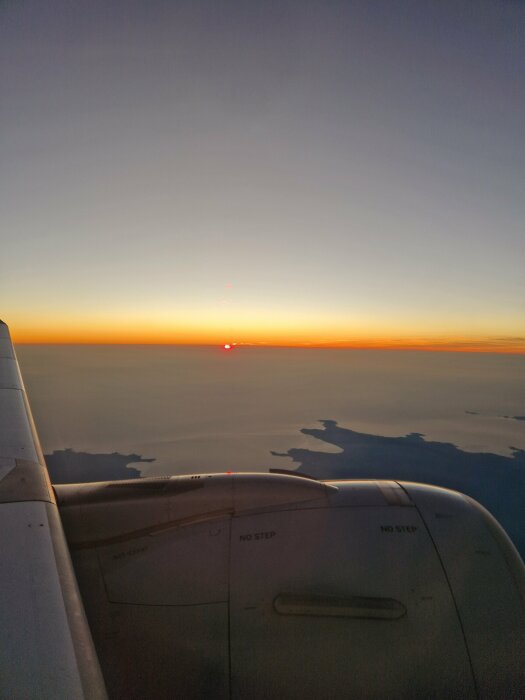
{"x":496,"y":481}
{"x":476,"y":413}
{"x":70,"y":467}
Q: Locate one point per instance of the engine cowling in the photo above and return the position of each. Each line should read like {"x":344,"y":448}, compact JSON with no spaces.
{"x":252,"y":585}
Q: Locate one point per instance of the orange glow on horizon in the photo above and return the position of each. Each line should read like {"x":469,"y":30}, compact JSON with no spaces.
{"x":263,"y":328}
{"x":150,"y":336}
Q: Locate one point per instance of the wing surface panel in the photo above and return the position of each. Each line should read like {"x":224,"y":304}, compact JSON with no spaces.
{"x":48,"y":651}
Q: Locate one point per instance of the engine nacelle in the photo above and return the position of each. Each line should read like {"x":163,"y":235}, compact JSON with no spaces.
{"x":259,"y":586}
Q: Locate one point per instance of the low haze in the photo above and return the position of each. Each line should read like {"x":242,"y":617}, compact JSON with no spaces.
{"x":204,"y":409}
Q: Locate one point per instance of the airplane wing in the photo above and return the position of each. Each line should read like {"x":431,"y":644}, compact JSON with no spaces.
{"x":46,"y":650}
{"x":249,"y":585}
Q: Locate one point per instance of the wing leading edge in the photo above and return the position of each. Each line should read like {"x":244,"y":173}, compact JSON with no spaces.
{"x":47,"y":649}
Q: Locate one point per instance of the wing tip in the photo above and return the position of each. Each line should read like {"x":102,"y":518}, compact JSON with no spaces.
{"x":4,"y":330}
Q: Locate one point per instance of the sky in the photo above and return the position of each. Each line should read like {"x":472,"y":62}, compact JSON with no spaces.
{"x":290,"y":173}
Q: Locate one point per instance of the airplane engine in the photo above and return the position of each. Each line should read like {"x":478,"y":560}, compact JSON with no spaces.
{"x":272,"y":586}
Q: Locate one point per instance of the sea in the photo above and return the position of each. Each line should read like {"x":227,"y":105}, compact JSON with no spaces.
{"x":206,"y":409}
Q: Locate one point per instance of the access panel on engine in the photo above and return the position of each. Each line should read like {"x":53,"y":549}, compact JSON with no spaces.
{"x":342,"y":602}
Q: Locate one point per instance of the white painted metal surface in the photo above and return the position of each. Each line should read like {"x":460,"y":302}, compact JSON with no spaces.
{"x":46,"y":649}
{"x":331,"y":557}
{"x":37,"y":654}
{"x":149,"y":506}
{"x":347,"y":589}
{"x":487,"y":578}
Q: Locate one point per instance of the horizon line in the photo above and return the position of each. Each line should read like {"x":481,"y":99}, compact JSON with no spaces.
{"x":477,"y":347}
